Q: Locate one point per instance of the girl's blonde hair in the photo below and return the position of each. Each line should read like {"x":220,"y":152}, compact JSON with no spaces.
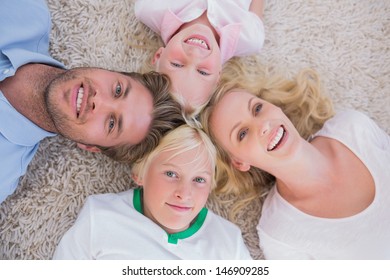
{"x":150,"y":42}
{"x":300,"y":99}
{"x":182,"y":139}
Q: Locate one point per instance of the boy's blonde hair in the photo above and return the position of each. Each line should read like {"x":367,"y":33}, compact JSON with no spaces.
{"x":300,"y":99}
{"x":182,"y":139}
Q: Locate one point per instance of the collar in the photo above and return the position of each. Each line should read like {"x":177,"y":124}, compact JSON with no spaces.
{"x":174,"y":237}
{"x":17,"y":128}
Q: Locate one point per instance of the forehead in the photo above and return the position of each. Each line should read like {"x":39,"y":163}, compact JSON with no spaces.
{"x":231,"y":101}
{"x":229,"y":111}
{"x":193,"y":158}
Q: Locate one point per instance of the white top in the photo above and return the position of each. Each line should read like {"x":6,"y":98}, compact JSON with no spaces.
{"x":112,"y":226}
{"x":241,"y":32}
{"x":287,"y":233}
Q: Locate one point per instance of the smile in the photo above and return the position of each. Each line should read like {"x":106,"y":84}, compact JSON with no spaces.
{"x":179,"y":208}
{"x":277,"y":139}
{"x":79,"y":100}
{"x":197,"y":42}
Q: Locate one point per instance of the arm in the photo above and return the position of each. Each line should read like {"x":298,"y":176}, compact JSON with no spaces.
{"x":257,"y":7}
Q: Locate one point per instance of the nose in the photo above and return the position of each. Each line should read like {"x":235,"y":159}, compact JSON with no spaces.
{"x":195,"y":51}
{"x":263,"y":127}
{"x":97,"y":103}
{"x":183,"y":191}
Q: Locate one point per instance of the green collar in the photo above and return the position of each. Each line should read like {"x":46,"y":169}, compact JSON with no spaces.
{"x":174,"y":237}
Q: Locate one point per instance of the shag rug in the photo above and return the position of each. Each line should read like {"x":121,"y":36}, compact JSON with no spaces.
{"x":347,"y":42}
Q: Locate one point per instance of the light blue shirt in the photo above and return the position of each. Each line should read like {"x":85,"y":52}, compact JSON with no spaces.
{"x":25,"y":28}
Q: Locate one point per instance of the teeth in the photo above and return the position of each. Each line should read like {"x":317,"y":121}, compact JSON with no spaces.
{"x":276,"y":140}
{"x":80,"y":95}
{"x":198,"y":42}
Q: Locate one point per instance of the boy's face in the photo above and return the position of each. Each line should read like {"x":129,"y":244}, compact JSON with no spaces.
{"x":192,"y":60}
{"x":176,"y":189}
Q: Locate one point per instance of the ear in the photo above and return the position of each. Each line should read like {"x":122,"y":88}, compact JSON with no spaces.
{"x":242,"y":166}
{"x":157,"y":55}
{"x":136,"y":179}
{"x":89,"y":148}
{"x":219,"y":76}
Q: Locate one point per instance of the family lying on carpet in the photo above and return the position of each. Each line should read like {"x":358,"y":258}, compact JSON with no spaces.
{"x":226,"y":128}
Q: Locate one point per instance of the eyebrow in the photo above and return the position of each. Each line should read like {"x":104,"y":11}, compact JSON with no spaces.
{"x":168,"y":164}
{"x":238,"y":123}
{"x":120,"y":126}
{"x":120,"y":118}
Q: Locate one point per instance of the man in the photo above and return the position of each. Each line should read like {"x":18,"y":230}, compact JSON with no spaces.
{"x":121,"y":114}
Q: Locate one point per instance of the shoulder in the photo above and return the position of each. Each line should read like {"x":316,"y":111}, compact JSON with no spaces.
{"x":351,"y":122}
{"x":25,"y":28}
{"x":350,"y":116}
{"x":221,"y":224}
{"x":24,"y":13}
{"x":357,"y":131}
{"x":225,"y":237}
{"x":108,"y":202}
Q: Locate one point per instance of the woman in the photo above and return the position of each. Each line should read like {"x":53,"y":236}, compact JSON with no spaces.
{"x":330,"y":191}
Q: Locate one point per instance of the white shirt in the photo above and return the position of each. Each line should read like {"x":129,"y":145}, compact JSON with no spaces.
{"x":287,"y":233}
{"x":241,"y":32}
{"x":112,"y":226}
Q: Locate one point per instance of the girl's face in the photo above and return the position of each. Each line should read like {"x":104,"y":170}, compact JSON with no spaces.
{"x":254,"y":132}
{"x":176,"y":189}
{"x":192,"y":60}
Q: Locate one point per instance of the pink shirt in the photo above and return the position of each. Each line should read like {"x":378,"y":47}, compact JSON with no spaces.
{"x":241,"y":32}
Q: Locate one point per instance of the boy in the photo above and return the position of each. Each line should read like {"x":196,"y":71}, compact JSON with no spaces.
{"x":166,"y":218}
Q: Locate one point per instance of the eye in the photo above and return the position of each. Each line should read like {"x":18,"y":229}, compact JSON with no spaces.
{"x":171,"y":174}
{"x":242,"y":134}
{"x":118,"y":90}
{"x":199,"y":180}
{"x":257,"y":108}
{"x":111,"y":124}
{"x":177,"y":65}
{"x":203,"y":73}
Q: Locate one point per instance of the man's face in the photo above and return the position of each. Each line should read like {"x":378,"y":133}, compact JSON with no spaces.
{"x":99,"y":107}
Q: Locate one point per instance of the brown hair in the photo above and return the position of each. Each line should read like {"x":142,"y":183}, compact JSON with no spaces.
{"x":167,"y":115}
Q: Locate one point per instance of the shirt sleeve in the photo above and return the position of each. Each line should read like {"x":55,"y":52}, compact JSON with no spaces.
{"x":150,"y":13}
{"x":76,"y":243}
{"x":252,"y":36}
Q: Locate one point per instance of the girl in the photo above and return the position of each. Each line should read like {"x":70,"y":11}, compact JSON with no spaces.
{"x":199,"y":37}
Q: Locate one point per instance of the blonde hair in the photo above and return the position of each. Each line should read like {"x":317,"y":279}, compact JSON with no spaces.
{"x":188,"y":108}
{"x":301,"y":99}
{"x":182,"y":139}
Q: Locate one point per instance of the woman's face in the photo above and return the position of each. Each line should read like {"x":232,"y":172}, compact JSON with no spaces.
{"x":254,"y":132}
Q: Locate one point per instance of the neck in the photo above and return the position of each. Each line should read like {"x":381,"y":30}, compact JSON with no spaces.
{"x":26,"y":92}
{"x":203,"y":19}
{"x":307,"y":175}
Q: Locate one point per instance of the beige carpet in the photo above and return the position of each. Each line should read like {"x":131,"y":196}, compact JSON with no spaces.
{"x":346,"y":41}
